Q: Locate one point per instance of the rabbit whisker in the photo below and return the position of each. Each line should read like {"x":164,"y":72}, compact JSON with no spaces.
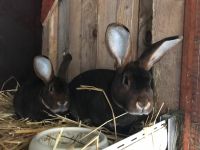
{"x":42,"y":100}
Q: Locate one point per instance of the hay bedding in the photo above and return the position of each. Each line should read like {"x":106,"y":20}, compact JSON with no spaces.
{"x":16,"y":134}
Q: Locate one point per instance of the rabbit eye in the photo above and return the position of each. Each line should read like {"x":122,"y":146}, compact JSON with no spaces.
{"x":125,"y":80}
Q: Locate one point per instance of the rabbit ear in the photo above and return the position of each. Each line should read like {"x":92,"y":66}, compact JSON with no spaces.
{"x":43,"y":68}
{"x":118,"y":42}
{"x":157,"y":50}
{"x":64,"y":65}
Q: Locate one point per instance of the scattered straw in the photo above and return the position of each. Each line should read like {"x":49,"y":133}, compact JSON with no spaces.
{"x":95,"y":139}
{"x":58,"y":139}
{"x":92,"y":88}
{"x":158,"y":113}
{"x":8,"y":80}
{"x":96,"y":129}
{"x":16,"y":134}
{"x":149,"y":122}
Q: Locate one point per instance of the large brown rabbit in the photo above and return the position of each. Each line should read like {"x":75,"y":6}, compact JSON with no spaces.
{"x":128,"y":87}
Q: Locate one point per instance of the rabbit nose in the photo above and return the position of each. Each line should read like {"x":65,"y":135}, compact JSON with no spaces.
{"x":62,"y":106}
{"x":143,"y":103}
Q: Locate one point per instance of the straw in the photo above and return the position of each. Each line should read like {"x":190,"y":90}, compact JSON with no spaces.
{"x":92,"y":141}
{"x":16,"y":134}
{"x":58,"y":139}
{"x":86,"y":87}
{"x":103,"y":125}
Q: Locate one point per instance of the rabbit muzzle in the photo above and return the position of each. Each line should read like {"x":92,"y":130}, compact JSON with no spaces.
{"x":142,"y":106}
{"x":143,"y":103}
{"x":60,"y":107}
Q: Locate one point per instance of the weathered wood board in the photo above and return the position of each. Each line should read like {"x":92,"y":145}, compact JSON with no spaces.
{"x":168,"y":21}
{"x":127,"y":14}
{"x":63,"y":29}
{"x":189,"y":100}
{"x":88,"y":34}
{"x":75,"y":36}
{"x":53,"y":38}
{"x":145,"y":25}
{"x":106,"y":14}
{"x":81,"y":30}
{"x":50,"y":37}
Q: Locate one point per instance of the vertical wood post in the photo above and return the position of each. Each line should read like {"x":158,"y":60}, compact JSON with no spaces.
{"x":187,"y":60}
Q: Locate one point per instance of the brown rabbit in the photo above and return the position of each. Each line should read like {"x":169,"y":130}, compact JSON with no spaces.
{"x":44,"y":94}
{"x":128,"y":87}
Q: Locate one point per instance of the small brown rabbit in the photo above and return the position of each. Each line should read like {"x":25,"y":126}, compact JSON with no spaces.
{"x":128,"y":87}
{"x":44,"y":94}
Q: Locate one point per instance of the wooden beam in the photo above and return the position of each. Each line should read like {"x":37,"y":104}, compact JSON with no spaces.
{"x":187,"y":60}
{"x":53,"y":37}
{"x":89,"y":34}
{"x":145,"y":25}
{"x":106,"y":15}
{"x":75,"y":37}
{"x":127,"y":14}
{"x":63,"y":29}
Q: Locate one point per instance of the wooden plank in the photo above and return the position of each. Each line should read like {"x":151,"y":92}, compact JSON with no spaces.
{"x":168,"y":21}
{"x":186,"y":93}
{"x":89,"y":34}
{"x":63,"y":29}
{"x":145,"y":25}
{"x":106,"y":15}
{"x":74,"y":36}
{"x":127,"y":14}
{"x":53,"y":37}
{"x":45,"y":40}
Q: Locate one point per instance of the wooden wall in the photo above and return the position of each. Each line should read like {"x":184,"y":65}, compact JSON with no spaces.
{"x":81,"y":31}
{"x":78,"y":27}
{"x":168,"y":20}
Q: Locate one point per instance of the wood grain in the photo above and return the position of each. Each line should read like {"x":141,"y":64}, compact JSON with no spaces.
{"x":75,"y":37}
{"x":45,"y":40}
{"x":88,"y":34}
{"x":127,"y":14}
{"x":53,"y":37}
{"x":106,"y":14}
{"x":145,"y":25}
{"x":187,"y":93}
{"x":168,"y":21}
{"x":63,"y":29}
